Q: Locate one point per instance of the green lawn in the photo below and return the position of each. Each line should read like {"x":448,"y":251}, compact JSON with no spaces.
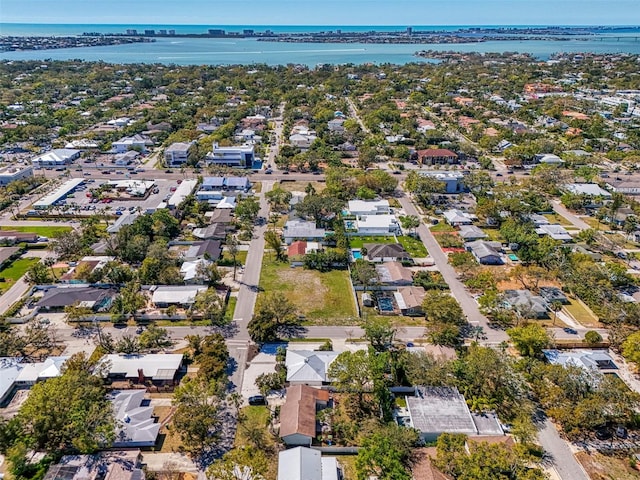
{"x":581,"y":314}
{"x":413,"y":246}
{"x":323,"y":298}
{"x":253,"y":423}
{"x":555,"y":218}
{"x":493,"y":234}
{"x":358,"y":242}
{"x":231,"y":308}
{"x":43,"y":231}
{"x":442,"y":227}
{"x":14,"y":271}
{"x":241,"y":257}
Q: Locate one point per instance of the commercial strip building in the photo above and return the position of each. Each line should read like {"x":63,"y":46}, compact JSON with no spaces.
{"x":183,"y":191}
{"x":58,"y":194}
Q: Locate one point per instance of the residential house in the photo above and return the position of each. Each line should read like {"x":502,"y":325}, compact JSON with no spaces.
{"x":369,"y":207}
{"x":122,"y":221}
{"x":212,"y":184}
{"x":160,"y":368}
{"x":237,"y":156}
{"x":589,"y":359}
{"x":209,"y":250}
{"x":453,"y":181}
{"x":538,"y":220}
{"x":393,"y":274}
{"x":112,"y":465}
{"x":238,"y":184}
{"x":298,"y":426}
{"x":386,"y":252}
{"x":14,"y":172}
{"x":336,"y":125}
{"x":58,"y":157}
{"x":215,"y":231}
{"x":17,"y":374}
{"x":11,"y":237}
{"x":8,"y":254}
{"x":223,"y":216}
{"x":456,"y":218}
{"x":298,"y":249}
{"x":553,"y":294}
{"x":181,"y":295}
{"x":588,"y":189}
{"x":382,"y":224}
{"x":303,"y":463}
{"x":96,"y":299}
{"x":126,"y":158}
{"x":135,"y":424}
{"x":135,"y":142}
{"x":191,"y":271}
{"x":548,"y":159}
{"x":302,"y":230}
{"x":470,"y":233}
{"x":247,"y":135}
{"x":486,"y":253}
{"x":179,"y":153}
{"x":436,"y":156}
{"x":627,"y":186}
{"x":557,"y":232}
{"x":32,"y":373}
{"x":409,"y":300}
{"x":436,"y":410}
{"x":306,"y":367}
{"x":528,"y":304}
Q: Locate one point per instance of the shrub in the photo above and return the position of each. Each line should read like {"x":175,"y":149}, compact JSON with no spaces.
{"x":592,"y":337}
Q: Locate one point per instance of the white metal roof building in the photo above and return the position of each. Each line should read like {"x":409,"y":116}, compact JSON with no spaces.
{"x":308,"y":367}
{"x":135,"y":425}
{"x":63,"y":190}
{"x":176,"y":294}
{"x":183,"y":191}
{"x":159,"y":366}
{"x":302,"y":463}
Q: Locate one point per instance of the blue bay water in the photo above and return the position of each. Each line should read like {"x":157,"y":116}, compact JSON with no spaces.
{"x":226,"y":51}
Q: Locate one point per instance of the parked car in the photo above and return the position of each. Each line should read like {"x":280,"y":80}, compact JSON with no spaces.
{"x":257,"y":400}
{"x":570,"y":331}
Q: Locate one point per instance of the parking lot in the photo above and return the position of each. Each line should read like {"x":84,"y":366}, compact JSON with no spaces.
{"x":80,"y":201}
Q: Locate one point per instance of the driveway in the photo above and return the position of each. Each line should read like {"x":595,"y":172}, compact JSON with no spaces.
{"x":467,"y":302}
{"x":560,"y":455}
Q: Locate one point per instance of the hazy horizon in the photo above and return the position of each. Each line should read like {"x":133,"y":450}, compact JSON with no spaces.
{"x":327,"y":13}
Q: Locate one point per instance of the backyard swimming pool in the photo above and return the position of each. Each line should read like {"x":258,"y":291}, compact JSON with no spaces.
{"x":356,"y":254}
{"x":385,"y":304}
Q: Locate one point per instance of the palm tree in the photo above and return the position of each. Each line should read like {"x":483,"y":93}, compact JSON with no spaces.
{"x":50,"y":262}
{"x":555,"y":307}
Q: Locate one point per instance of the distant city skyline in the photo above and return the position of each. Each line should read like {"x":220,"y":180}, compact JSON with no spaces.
{"x":327,"y":12}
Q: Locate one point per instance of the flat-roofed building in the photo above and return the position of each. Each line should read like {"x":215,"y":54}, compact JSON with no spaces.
{"x":178,"y":154}
{"x":237,"y":156}
{"x":13,"y":173}
{"x":56,"y":158}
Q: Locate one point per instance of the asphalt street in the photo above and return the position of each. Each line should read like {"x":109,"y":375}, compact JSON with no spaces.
{"x":467,"y":302}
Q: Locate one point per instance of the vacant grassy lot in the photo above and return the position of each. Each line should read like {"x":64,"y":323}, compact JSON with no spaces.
{"x":358,"y":242}
{"x":14,"y":271}
{"x":413,"y":246}
{"x":295,"y":186}
{"x":324,"y":298}
{"x":493,"y":234}
{"x":595,"y":223}
{"x":559,"y":219}
{"x":253,"y":423}
{"x":231,"y":308}
{"x":168,"y":440}
{"x":43,"y":231}
{"x":582,"y":315}
{"x":442,"y":227}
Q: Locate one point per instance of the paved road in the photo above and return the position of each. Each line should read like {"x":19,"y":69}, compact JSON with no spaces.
{"x":459,"y":291}
{"x":21,"y":287}
{"x":251,"y":277}
{"x":575,"y":221}
{"x":560,"y":455}
{"x":277,"y":133}
{"x":354,"y":113}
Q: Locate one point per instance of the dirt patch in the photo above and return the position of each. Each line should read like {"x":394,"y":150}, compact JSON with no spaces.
{"x":602,"y":467}
{"x":309,"y":291}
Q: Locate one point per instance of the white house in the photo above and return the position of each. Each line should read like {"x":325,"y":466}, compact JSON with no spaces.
{"x":383,"y":224}
{"x":370,"y":207}
{"x":557,"y":232}
{"x":166,"y":295}
{"x":303,"y":463}
{"x":306,"y":367}
{"x":456,"y":218}
{"x":135,"y":424}
{"x":135,"y":142}
{"x":237,"y":156}
{"x":302,"y":230}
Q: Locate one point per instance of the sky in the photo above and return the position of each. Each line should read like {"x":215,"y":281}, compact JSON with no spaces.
{"x":326,"y":12}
